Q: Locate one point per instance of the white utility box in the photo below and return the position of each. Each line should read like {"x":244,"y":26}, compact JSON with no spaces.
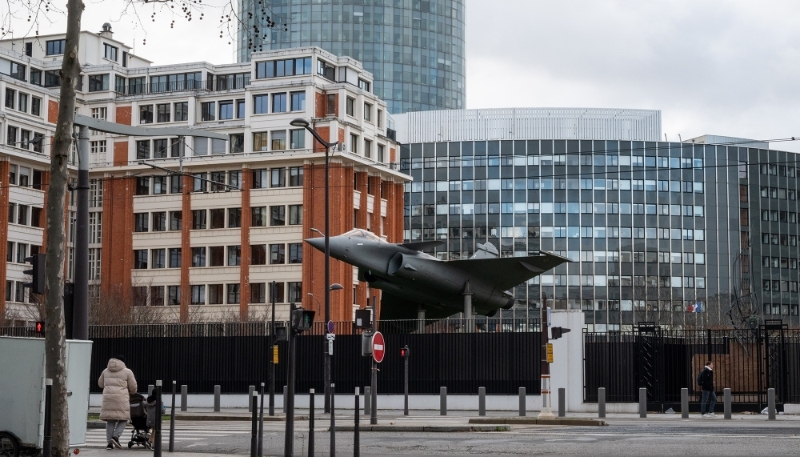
{"x":22,"y":389}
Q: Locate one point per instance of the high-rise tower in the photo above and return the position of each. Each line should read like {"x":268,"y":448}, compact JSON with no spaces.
{"x":414,"y":48}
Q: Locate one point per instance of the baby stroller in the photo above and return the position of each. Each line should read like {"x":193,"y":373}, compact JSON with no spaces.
{"x":142,"y":415}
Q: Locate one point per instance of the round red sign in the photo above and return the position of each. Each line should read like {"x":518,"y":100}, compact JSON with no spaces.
{"x":378,"y":347}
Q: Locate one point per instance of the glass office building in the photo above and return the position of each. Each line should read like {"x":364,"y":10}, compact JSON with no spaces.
{"x":413,"y":48}
{"x":653,"y":228}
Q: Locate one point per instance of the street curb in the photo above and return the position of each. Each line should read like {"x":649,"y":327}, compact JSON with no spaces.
{"x":424,"y":428}
{"x":536,"y":421}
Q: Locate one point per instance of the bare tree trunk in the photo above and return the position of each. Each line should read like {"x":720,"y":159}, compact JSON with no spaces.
{"x":55,"y":344}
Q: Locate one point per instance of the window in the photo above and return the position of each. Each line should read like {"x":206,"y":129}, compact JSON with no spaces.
{"x":143,"y":186}
{"x":160,"y":149}
{"x":143,"y":149}
{"x":217,"y":218}
{"x":173,"y":295}
{"x":52,"y":78}
{"x":285,"y":67}
{"x":140,"y":259}
{"x":234,"y":256}
{"x":146,"y":114}
{"x":36,"y":76}
{"x":278,"y":177}
{"x":162,"y":112}
{"x":326,"y":70}
{"x":216,"y":256}
{"x":295,"y":292}
{"x":36,"y":106}
{"x":11,"y":97}
{"x":279,"y":103}
{"x":199,"y":219}
{"x":367,"y":148}
{"x":199,"y":295}
{"x":17,"y":71}
{"x":240,"y":113}
{"x":11,"y":136}
{"x":277,"y":215}
{"x":226,"y":110}
{"x":234,"y":217}
{"x":174,"y":257}
{"x":278,"y":140}
{"x":141,"y":221}
{"x":199,"y":257}
{"x":208,"y":111}
{"x":233,"y":294}
{"x":175,"y":220}
{"x":277,"y":254}
{"x":181,"y":111}
{"x":261,"y":104}
{"x":54,"y":47}
{"x":381,"y":157}
{"x":295,"y":214}
{"x":367,"y":112}
{"x":295,"y":176}
{"x":330,"y":106}
{"x":258,"y":216}
{"x":298,"y":101}
{"x":258,"y":293}
{"x":298,"y":139}
{"x":158,"y":257}
{"x":354,"y":143}
{"x":23,"y":102}
{"x":258,"y":254}
{"x":200,"y":183}
{"x":98,"y":83}
{"x":295,"y":252}
{"x":350,"y":106}
{"x":260,"y":141}
{"x":109,"y":52}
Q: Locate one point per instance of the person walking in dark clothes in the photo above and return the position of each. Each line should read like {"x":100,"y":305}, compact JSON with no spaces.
{"x":706,"y":382}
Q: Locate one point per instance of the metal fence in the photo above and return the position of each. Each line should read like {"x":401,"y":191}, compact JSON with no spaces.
{"x":746,"y":361}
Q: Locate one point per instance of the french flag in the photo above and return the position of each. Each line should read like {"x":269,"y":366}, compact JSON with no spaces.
{"x":696,"y":308}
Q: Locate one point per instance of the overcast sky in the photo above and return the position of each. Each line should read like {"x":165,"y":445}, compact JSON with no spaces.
{"x":721,"y":67}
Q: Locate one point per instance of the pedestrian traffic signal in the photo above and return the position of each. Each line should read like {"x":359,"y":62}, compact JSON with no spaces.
{"x":37,"y":273}
{"x":302,"y":319}
{"x":557,"y":332}
{"x":38,"y":327}
{"x":404,"y":352}
{"x":281,"y":334}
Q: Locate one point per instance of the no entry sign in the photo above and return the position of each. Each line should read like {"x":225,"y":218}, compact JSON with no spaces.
{"x":378,"y":347}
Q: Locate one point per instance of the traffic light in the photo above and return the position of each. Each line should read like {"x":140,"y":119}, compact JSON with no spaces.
{"x":280,"y":333}
{"x":39,"y":327}
{"x":557,"y":332}
{"x":404,"y":352}
{"x":36,"y":272}
{"x":302,"y":319}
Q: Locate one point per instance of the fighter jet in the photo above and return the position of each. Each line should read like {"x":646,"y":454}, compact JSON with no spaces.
{"x":412,"y":280}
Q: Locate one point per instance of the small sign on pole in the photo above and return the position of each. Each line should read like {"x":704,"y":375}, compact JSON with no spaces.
{"x":549,"y":352}
{"x":378,"y":347}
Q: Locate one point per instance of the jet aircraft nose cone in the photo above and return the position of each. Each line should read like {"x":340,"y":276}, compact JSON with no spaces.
{"x":317,"y":243}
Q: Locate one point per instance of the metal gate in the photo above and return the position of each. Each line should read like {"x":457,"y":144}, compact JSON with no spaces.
{"x":650,"y":363}
{"x":774,"y":367}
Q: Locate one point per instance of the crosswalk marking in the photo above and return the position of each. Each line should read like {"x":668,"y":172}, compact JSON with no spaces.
{"x":183,"y":433}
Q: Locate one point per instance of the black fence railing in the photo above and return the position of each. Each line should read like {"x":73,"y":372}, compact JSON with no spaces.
{"x":502,"y":362}
{"x":748,"y":362}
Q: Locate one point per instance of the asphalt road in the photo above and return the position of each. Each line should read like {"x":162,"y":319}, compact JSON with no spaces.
{"x":622,"y":437}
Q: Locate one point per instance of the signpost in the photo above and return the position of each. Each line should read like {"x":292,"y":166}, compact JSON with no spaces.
{"x":378,"y":351}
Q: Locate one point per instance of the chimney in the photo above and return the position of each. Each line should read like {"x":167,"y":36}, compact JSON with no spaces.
{"x":106,"y":32}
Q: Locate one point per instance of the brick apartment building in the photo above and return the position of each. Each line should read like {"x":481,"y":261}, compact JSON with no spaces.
{"x":192,"y":228}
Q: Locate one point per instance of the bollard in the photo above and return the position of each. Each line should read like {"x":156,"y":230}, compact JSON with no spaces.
{"x":481,"y":401}
{"x":601,"y":402}
{"x":356,"y":438}
{"x":562,"y":402}
{"x":261,"y":423}
{"x":157,"y":445}
{"x":642,"y":402}
{"x":727,"y":398}
{"x":250,"y":391}
{"x":285,"y":396}
{"x":333,"y":422}
{"x":443,"y":401}
{"x":367,"y":399}
{"x":216,"y":398}
{"x":253,"y":422}
{"x":150,"y":388}
{"x":522,"y":405}
{"x":47,"y":449}
{"x":184,"y":397}
{"x":310,"y":423}
{"x":771,"y":403}
{"x":172,"y":421}
{"x":684,"y":403}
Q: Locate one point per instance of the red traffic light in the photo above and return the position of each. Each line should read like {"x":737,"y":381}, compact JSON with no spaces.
{"x":39,"y":327}
{"x":404,"y":352}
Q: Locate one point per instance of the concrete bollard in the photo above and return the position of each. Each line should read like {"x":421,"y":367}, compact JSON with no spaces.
{"x":217,"y":390}
{"x":184,"y":397}
{"x":684,"y":403}
{"x":642,"y":402}
{"x":562,"y":402}
{"x":367,"y":400}
{"x":250,"y":391}
{"x":601,"y":402}
{"x":726,"y":395}
{"x":771,"y":403}
{"x":150,"y":388}
{"x":481,"y":401}
{"x":285,"y":397}
{"x":443,"y":401}
{"x":522,"y":406}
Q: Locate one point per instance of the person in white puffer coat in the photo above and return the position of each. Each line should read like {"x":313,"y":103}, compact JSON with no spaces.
{"x":118,"y":383}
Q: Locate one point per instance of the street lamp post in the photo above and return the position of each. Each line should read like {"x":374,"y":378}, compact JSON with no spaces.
{"x":305,"y":124}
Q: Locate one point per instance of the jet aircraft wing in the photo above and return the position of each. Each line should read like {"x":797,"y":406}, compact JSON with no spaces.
{"x":507,"y":272}
{"x":422,"y":245}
